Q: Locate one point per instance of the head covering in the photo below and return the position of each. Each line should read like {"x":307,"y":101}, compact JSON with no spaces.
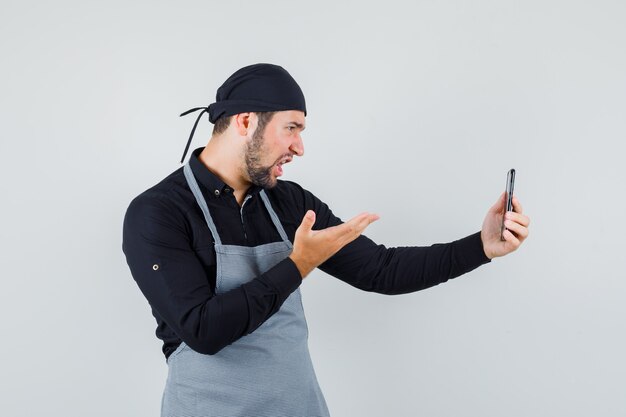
{"x":255,"y":88}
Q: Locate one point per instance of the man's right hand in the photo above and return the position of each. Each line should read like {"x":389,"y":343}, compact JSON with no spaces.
{"x":313,"y":247}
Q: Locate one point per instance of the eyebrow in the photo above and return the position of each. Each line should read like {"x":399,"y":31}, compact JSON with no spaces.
{"x":300,"y":125}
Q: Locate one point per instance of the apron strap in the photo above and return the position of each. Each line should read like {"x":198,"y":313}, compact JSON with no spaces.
{"x":274,"y":217}
{"x":195,"y":189}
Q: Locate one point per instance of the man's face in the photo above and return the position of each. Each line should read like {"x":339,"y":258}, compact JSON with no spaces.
{"x":270,"y":149}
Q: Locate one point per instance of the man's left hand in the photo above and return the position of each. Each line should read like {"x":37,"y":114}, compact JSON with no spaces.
{"x":516,"y":223}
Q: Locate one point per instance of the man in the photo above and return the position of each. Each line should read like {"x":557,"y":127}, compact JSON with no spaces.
{"x":220,"y":247}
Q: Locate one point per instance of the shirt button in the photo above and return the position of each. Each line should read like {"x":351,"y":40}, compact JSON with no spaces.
{"x":155,"y":267}
{"x":217,"y":193}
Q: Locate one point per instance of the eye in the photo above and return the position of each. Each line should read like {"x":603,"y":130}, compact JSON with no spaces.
{"x":291,"y":128}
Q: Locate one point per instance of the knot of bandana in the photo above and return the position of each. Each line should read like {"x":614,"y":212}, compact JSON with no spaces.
{"x":255,"y":88}
{"x":204,"y":110}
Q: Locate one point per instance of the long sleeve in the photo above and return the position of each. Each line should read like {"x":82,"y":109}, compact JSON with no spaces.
{"x":396,"y":270}
{"x":161,"y":259}
{"x":400,"y":270}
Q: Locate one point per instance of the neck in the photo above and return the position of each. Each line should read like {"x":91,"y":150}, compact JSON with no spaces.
{"x":226,"y":163}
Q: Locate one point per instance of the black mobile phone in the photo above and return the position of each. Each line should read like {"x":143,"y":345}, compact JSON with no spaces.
{"x":508,"y":204}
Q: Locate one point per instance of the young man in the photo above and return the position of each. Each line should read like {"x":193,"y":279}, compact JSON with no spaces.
{"x":220,"y":247}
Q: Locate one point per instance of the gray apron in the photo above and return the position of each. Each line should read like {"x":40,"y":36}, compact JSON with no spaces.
{"x":265,"y":373}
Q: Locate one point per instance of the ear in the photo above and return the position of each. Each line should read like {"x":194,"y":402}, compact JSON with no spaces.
{"x":243,"y":123}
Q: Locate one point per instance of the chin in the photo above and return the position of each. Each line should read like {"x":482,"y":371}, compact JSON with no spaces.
{"x":272,"y":183}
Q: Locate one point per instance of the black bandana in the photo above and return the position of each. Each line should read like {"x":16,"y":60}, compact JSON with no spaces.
{"x":255,"y":88}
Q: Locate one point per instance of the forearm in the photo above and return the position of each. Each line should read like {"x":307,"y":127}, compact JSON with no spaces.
{"x":208,"y":323}
{"x":400,"y":270}
{"x":177,"y":286}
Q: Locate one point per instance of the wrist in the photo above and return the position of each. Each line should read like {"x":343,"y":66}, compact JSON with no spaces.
{"x":302,"y":266}
{"x":488,"y":253}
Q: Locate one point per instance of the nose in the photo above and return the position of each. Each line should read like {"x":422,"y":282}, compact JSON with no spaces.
{"x":297,"y":147}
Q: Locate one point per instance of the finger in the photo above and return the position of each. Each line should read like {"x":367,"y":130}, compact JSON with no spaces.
{"x":359,"y":228}
{"x":510,"y":237}
{"x":343,"y":228}
{"x":518,"y":218}
{"x":350,"y":229}
{"x":519,"y":230}
{"x":498,"y":207}
{"x":517,"y":206}
{"x":366,"y":221}
{"x":354,"y":222}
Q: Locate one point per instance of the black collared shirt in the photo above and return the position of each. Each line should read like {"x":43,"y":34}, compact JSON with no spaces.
{"x":170,"y":252}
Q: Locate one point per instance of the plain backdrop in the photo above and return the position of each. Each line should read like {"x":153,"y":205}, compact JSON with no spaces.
{"x":416,"y":110}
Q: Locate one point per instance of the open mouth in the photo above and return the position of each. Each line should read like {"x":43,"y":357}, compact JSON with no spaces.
{"x":279,"y":165}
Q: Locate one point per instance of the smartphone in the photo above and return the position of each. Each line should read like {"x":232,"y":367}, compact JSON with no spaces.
{"x":508,"y":204}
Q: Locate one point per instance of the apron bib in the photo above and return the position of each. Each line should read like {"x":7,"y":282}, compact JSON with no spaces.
{"x":265,"y":373}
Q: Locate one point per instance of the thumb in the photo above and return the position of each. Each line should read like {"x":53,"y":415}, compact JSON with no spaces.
{"x":499,"y":205}
{"x":308,"y":220}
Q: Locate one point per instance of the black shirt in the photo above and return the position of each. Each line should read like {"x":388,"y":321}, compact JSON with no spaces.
{"x":170,"y":252}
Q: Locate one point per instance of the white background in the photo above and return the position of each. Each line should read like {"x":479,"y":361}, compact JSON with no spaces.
{"x":416,"y":111}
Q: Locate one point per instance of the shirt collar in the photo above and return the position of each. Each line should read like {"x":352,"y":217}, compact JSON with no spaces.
{"x":209,"y":180}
